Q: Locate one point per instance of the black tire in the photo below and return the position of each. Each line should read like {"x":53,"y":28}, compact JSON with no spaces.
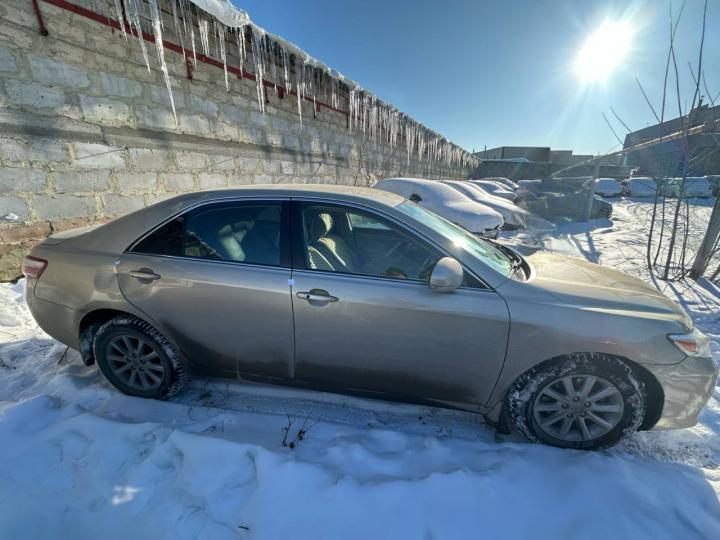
{"x":175,"y":373}
{"x":523,"y":395}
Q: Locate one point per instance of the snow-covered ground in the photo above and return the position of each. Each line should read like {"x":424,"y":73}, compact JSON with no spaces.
{"x":79,"y":460}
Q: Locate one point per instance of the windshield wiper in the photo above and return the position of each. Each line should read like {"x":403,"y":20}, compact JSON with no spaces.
{"x":516,"y":261}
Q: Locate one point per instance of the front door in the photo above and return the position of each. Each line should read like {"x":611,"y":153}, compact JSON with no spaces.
{"x":366,"y":319}
{"x":216,"y":282}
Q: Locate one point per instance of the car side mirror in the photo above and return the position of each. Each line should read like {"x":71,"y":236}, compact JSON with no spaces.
{"x":447,"y":275}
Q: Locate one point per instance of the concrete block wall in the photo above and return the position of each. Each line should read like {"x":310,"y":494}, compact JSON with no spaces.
{"x":87,"y":132}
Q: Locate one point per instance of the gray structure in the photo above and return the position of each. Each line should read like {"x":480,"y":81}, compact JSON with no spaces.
{"x":662,"y":150}
{"x":531,"y":162}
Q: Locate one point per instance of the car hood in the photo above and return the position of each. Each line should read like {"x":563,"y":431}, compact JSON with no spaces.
{"x":511,"y":213}
{"x":474,"y":217}
{"x":591,"y":286}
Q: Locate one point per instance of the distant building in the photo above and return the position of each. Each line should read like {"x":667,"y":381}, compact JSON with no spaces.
{"x":530,"y":162}
{"x":539,"y":154}
{"x":661,"y":150}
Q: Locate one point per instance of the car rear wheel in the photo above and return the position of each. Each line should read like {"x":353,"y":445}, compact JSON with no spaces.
{"x":138,"y":360}
{"x":584,"y":401}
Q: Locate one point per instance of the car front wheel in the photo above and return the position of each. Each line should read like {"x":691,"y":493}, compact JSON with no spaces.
{"x":584,"y":401}
{"x":138,"y":360}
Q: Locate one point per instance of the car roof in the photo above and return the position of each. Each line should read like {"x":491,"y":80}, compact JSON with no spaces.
{"x":113,"y":238}
{"x":292,"y":190}
{"x":115,"y":235}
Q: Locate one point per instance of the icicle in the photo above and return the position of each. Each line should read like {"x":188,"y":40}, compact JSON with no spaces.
{"x":133,"y":13}
{"x":351,"y":110}
{"x":259,"y":62}
{"x":204,"y":26}
{"x":314,"y":91}
{"x":369,"y":117}
{"x":220,"y":29}
{"x":120,"y":18}
{"x":299,"y":86}
{"x":157,"y":28}
{"x":184,"y":14}
{"x":176,"y":22}
{"x":240,"y":37}
{"x":274,"y":56}
{"x":286,"y":74}
{"x":192,"y":32}
{"x":215,"y":38}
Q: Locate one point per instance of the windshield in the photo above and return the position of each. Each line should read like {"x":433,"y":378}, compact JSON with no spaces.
{"x":485,"y":251}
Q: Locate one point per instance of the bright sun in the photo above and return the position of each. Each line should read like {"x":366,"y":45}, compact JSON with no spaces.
{"x":603,"y":51}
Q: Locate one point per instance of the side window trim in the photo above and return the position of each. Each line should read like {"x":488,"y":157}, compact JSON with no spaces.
{"x":298,"y":241}
{"x":285,"y":226}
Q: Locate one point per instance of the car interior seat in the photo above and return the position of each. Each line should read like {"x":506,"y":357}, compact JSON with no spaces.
{"x":332,"y":247}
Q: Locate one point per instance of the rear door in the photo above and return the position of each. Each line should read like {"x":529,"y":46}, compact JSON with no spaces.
{"x":366,"y":319}
{"x":215,"y":280}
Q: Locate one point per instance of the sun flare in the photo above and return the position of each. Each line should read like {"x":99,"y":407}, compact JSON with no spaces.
{"x":604,"y":50}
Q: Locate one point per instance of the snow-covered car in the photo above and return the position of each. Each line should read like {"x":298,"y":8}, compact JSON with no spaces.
{"x":446,"y":202}
{"x":563,"y":198}
{"x":641,"y":186}
{"x":696,"y":186}
{"x":669,"y":187}
{"x":494,"y":188}
{"x":357,"y":290}
{"x":527,"y":184}
{"x":506,"y":182}
{"x":513,"y":216}
{"x":714,"y":180}
{"x":608,"y":187}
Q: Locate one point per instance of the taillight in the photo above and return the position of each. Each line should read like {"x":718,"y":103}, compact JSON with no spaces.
{"x":33,"y":267}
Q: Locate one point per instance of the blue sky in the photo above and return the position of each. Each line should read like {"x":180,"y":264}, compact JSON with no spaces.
{"x":499,"y":73}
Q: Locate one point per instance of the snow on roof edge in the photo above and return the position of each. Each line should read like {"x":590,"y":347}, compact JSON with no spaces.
{"x":235,"y":17}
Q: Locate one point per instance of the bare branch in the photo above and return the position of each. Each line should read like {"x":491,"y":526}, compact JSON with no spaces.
{"x":707,"y":91}
{"x":620,"y":119}
{"x":700,"y":57}
{"x":611,"y":128}
{"x":648,"y":101}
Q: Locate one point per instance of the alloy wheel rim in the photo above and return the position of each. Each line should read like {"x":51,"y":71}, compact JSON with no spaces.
{"x":578,"y":408}
{"x":135,"y":362}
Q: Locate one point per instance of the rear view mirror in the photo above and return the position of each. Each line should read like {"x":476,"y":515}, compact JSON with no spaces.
{"x":447,"y":275}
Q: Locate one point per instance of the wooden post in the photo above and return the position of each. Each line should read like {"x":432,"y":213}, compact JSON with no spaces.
{"x":591,"y":195}
{"x":702,"y":259}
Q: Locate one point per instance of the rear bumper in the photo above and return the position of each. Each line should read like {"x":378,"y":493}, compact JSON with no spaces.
{"x":60,"y":322}
{"x":687,"y":387}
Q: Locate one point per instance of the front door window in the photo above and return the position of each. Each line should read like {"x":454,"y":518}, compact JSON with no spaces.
{"x":350,"y":241}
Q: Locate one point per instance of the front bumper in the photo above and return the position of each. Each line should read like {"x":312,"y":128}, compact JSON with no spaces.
{"x":687,"y":387}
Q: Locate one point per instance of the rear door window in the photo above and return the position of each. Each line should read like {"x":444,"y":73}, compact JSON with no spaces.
{"x":235,"y":232}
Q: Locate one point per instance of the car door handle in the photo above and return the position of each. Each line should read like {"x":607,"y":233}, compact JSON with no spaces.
{"x":317,"y":295}
{"x":143,"y":273}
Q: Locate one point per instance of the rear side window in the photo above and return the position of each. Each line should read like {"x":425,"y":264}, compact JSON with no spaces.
{"x":248,"y":233}
{"x":167,"y":240}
